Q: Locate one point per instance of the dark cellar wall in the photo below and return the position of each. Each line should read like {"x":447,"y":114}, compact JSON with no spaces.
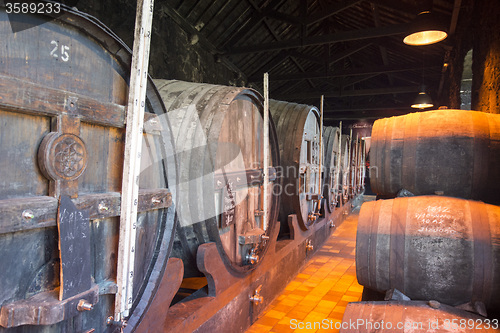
{"x":172,"y":55}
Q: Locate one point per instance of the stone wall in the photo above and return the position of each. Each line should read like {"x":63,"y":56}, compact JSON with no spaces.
{"x":173,"y":55}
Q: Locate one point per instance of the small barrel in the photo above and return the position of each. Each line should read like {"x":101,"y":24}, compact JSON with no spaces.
{"x":218,"y":134}
{"x":411,"y":316}
{"x":345,"y":163}
{"x":456,"y":152}
{"x":431,"y":247}
{"x":64,"y":82}
{"x":297,"y":126}
{"x":331,"y":175}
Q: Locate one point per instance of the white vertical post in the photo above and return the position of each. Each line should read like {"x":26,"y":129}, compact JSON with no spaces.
{"x":132,"y":158}
{"x":350,"y":161}
{"x":266,"y":149}
{"x":337,"y":171}
{"x":320,"y":150}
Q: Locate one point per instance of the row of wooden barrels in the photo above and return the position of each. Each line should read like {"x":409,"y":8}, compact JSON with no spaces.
{"x":432,"y":247}
{"x":64,"y":88}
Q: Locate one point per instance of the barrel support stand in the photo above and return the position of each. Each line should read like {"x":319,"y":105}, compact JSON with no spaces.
{"x":228,"y":306}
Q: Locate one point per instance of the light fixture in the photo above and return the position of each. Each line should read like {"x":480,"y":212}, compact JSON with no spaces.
{"x":423,"y":100}
{"x":427,"y":28}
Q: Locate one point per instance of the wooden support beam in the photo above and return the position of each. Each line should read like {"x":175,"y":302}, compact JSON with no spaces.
{"x":343,"y":36}
{"x":367,"y":114}
{"x":350,"y":72}
{"x":254,"y":22}
{"x":350,"y":93}
{"x":333,"y":9}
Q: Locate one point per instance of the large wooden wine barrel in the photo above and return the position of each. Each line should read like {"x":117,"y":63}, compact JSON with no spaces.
{"x":331,"y":182}
{"x":345,"y":162}
{"x":431,"y":247}
{"x":353,"y":169}
{"x":411,"y":316}
{"x":63,"y":96}
{"x":452,"y":151}
{"x":297,"y":126}
{"x":360,"y":159}
{"x":218,"y":132}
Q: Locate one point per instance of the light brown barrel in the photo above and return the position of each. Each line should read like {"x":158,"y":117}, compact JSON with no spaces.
{"x":411,"y":317}
{"x":63,"y":102}
{"x":431,"y":247}
{"x":456,"y":152}
{"x":297,"y":126}
{"x":218,"y":134}
{"x":331,"y":167}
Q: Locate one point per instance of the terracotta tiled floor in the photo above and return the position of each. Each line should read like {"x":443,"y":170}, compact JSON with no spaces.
{"x":321,"y":291}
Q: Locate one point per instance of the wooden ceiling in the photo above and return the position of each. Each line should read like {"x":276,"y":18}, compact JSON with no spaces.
{"x":350,"y":51}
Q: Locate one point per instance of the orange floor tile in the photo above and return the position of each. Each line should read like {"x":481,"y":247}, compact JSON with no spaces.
{"x":316,"y":299}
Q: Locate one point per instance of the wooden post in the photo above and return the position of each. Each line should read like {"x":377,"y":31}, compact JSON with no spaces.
{"x":337,"y":171}
{"x":132,"y":158}
{"x":320,"y":150}
{"x":266,"y":149}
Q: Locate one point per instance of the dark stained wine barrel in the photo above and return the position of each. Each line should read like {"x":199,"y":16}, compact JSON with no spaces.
{"x":218,"y":131}
{"x":345,"y":163}
{"x":431,"y":247}
{"x":411,"y":316}
{"x":331,"y":182}
{"x":297,"y":126}
{"x":63,"y":96}
{"x":456,"y":152}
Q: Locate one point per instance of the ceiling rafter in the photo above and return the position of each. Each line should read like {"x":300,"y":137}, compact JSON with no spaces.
{"x":343,"y":36}
{"x":350,"y":72}
{"x":352,"y":93}
{"x":252,"y":24}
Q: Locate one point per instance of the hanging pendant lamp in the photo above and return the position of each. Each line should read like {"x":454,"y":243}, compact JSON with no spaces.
{"x":423,"y":100}
{"x":427,"y":28}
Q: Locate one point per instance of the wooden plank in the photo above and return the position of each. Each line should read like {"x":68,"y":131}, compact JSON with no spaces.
{"x":28,"y":97}
{"x":74,"y":247}
{"x":33,"y":98}
{"x":40,"y":212}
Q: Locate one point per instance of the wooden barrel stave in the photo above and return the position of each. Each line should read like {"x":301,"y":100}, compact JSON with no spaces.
{"x":83,"y":92}
{"x":298,"y":124}
{"x":430,"y":247}
{"x":219,"y":133}
{"x":452,"y":151}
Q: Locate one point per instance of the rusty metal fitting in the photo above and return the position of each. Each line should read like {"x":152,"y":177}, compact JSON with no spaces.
{"x":83,"y":305}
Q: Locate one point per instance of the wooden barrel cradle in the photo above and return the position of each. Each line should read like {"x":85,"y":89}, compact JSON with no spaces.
{"x":345,"y":163}
{"x":218,"y":132}
{"x":63,"y":95}
{"x":297,"y":126}
{"x":411,"y":316}
{"x":456,"y":152}
{"x":331,"y":182}
{"x":431,"y":247}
